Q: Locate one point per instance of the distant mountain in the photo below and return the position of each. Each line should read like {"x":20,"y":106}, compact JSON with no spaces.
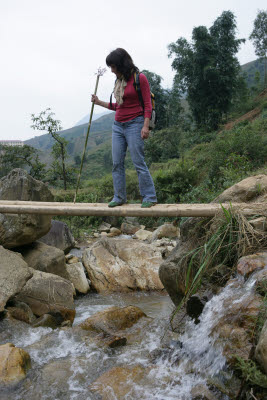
{"x":85,"y":119}
{"x":250,"y":69}
{"x":77,"y":133}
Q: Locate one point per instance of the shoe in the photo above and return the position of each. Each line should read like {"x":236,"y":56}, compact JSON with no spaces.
{"x":148,"y":204}
{"x":114,"y":204}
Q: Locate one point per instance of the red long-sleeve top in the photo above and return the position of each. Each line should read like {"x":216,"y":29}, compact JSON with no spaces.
{"x":131,"y":107}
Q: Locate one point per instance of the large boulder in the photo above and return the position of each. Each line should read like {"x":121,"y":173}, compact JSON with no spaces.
{"x":48,"y":294}
{"x":172,"y":271}
{"x":44,"y":258}
{"x":59,"y":236}
{"x":113,"y":319}
{"x":123,"y":265}
{"x":14,"y":363}
{"x":14,"y":273}
{"x":20,"y":229}
{"x":250,"y":189}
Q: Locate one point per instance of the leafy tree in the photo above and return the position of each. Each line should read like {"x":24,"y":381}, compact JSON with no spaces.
{"x":259,"y":38}
{"x":45,"y":122}
{"x":160,"y":97}
{"x":208,"y":70}
{"x":19,"y":157}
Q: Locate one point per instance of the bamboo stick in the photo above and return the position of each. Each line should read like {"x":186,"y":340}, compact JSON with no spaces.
{"x":133,"y":210}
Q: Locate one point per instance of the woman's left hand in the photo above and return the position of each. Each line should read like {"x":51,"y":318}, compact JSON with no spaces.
{"x":145,"y":132}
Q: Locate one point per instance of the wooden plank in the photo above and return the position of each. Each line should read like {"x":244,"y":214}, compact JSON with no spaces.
{"x":131,"y":210}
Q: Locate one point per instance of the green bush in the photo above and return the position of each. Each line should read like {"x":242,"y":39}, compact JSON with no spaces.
{"x":171,"y":183}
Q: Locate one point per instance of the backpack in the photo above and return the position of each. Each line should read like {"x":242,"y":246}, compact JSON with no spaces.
{"x":152,"y":122}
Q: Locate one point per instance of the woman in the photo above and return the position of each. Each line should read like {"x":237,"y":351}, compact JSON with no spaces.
{"x":130,"y":128}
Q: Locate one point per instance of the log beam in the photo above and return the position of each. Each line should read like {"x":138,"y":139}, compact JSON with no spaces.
{"x":131,"y":210}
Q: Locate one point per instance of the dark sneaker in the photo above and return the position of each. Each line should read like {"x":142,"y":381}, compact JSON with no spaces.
{"x":148,"y":204}
{"x":114,"y":204}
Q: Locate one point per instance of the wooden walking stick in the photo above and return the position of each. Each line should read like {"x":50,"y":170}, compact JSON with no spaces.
{"x":99,"y":73}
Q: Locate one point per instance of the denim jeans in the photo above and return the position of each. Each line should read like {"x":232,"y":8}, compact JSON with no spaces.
{"x":129,"y":134}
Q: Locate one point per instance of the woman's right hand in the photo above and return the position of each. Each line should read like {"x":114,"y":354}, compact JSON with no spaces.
{"x":95,"y":99}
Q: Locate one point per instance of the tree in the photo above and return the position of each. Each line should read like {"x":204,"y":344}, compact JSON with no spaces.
{"x":208,"y":70}
{"x":259,"y":38}
{"x":46,"y":122}
{"x":19,"y":157}
{"x":160,"y":97}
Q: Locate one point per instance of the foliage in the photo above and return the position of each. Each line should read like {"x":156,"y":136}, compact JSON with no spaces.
{"x":45,"y":122}
{"x":250,"y":372}
{"x":259,"y":38}
{"x":21,"y":157}
{"x":208,"y":70}
{"x":168,"y":101}
{"x":174,"y":180}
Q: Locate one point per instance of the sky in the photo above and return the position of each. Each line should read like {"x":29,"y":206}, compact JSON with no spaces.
{"x":51,"y":50}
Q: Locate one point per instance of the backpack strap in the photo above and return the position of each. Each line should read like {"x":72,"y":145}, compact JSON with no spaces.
{"x":138,"y":88}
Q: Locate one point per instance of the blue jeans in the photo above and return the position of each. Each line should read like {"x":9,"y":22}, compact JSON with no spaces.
{"x":129,"y":134}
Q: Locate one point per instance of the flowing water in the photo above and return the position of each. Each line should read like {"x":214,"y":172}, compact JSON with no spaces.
{"x":66,"y":362}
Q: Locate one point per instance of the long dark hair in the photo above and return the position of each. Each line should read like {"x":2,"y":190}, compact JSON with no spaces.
{"x":123,"y":61}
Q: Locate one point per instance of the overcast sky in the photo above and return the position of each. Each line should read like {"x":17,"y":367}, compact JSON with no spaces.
{"x":51,"y":49}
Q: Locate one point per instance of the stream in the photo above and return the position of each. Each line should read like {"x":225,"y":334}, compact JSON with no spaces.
{"x":65,"y":362}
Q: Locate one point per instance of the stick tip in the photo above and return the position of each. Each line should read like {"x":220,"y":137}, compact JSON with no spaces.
{"x":101,"y":71}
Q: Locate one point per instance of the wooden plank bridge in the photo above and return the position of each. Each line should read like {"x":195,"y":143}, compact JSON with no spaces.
{"x":131,"y":210}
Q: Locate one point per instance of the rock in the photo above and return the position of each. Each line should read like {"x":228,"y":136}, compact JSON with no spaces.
{"x":14,"y":363}
{"x":104,"y":340}
{"x":21,"y":311}
{"x":59,"y":236}
{"x":48,"y":321}
{"x":248,"y":264}
{"x":261,"y":349}
{"x":14,"y":273}
{"x":236,"y":328}
{"x":104,"y":227}
{"x":20,"y":229}
{"x":73,"y":259}
{"x":122,"y":265}
{"x":118,"y":382}
{"x":132,"y":221}
{"x":129,"y":229}
{"x":96,"y":235}
{"x":172,"y":274}
{"x":201,"y":392}
{"x":103,"y":234}
{"x":44,"y":258}
{"x":194,"y":307}
{"x":114,"y":232}
{"x":47,"y":293}
{"x":166,"y":231}
{"x":113,"y":319}
{"x":259,"y":224}
{"x":142,"y":234}
{"x":78,"y":277}
{"x":244,"y":191}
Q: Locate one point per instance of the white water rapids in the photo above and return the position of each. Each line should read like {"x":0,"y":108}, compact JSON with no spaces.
{"x":65,"y":363}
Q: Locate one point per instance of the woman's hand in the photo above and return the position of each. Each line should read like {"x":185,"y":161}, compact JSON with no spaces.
{"x":145,"y":132}
{"x":95,"y":99}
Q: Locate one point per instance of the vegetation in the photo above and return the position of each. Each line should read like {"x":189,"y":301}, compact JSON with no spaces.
{"x":21,"y":157}
{"x":59,"y":171}
{"x":259,"y":38}
{"x":208,"y":70}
